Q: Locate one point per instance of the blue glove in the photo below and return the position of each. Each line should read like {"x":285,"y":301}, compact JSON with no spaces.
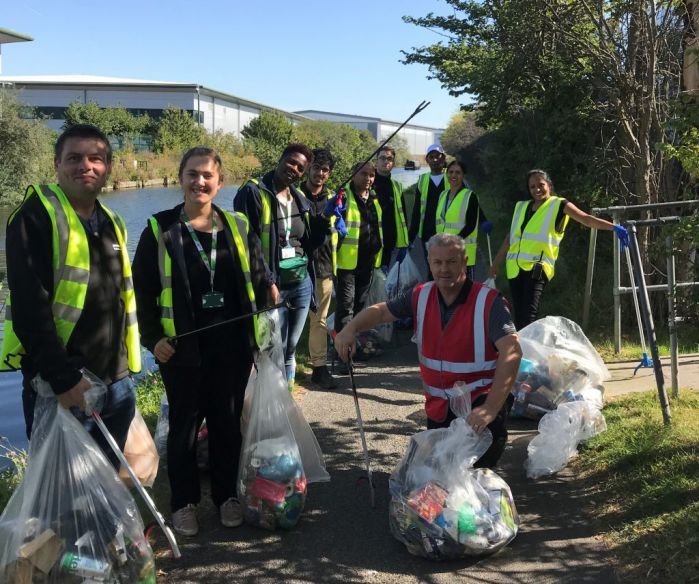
{"x":332,"y":207}
{"x":340,"y":227}
{"x":623,"y":236}
{"x":486,"y":227}
{"x":402,"y":252}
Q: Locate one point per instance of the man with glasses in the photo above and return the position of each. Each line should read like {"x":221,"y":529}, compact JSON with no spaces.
{"x":315,"y":188}
{"x":390,"y":195}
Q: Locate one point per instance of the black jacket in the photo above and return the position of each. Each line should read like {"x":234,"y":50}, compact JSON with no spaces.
{"x":323,"y":254}
{"x":248,"y":201}
{"x":147,"y":286}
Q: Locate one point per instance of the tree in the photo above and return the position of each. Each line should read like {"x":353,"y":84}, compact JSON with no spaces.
{"x":347,"y":144}
{"x":267,"y":136}
{"x":116,"y":122}
{"x":176,"y":131}
{"x":27,"y":150}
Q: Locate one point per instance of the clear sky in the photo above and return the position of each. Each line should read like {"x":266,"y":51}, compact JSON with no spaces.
{"x":336,"y":55}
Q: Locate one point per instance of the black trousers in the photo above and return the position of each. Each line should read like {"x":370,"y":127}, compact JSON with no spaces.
{"x":526,"y":295}
{"x":215,"y":391}
{"x":351,"y":293}
{"x":498,"y":428}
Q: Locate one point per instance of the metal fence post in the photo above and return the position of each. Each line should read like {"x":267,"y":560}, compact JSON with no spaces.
{"x":616,"y":254}
{"x":671,"y":316}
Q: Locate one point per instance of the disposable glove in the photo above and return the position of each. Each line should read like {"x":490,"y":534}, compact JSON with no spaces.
{"x":486,"y":227}
{"x":332,"y":207}
{"x":402,"y":252}
{"x":340,"y":227}
{"x":623,"y":236}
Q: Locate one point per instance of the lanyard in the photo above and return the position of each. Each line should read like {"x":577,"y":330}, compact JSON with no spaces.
{"x":210,"y":263}
{"x":287,"y":221}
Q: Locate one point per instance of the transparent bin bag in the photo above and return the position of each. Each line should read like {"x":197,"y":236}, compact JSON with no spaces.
{"x":441,"y":508}
{"x":559,"y":365}
{"x":280,"y":454}
{"x":418,"y":256}
{"x":377,"y":294}
{"x":140,"y":453}
{"x":162,"y":429}
{"x":560,"y":432}
{"x":402,"y":276}
{"x":71,"y":520}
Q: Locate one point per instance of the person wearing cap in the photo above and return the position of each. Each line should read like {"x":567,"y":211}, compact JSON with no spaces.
{"x":390,"y":196}
{"x":430,"y":185}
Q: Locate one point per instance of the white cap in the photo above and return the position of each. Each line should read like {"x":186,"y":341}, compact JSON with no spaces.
{"x":435,"y":147}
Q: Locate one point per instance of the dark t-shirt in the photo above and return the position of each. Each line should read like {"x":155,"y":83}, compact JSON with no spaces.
{"x":529,"y":213}
{"x":297,"y":226}
{"x":500,"y":322}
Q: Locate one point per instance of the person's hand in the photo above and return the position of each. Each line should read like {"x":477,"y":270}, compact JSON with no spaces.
{"x":340,"y":227}
{"x":623,"y":236}
{"x":273,"y":294}
{"x":75,"y":396}
{"x":480,"y":417}
{"x":334,"y":204}
{"x":345,"y":344}
{"x":486,"y":227}
{"x":163,"y":350}
{"x":402,"y":252}
{"x":493,"y":271}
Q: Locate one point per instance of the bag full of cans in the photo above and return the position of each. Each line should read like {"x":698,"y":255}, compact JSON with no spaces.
{"x":71,"y":520}
{"x":280,"y":454}
{"x":441,"y":507}
{"x":559,"y":365}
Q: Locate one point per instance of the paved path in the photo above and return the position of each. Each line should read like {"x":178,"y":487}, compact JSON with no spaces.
{"x":342,"y":540}
{"x":624,"y":381}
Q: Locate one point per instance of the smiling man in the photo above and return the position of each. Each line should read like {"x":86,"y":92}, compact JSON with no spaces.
{"x":464,"y":332}
{"x":71,"y":300}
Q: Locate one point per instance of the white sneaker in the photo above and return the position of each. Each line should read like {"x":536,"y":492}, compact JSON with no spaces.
{"x":231,"y":513}
{"x":184,"y":521}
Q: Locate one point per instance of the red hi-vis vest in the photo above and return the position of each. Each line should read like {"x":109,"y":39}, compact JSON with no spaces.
{"x":460,"y":352}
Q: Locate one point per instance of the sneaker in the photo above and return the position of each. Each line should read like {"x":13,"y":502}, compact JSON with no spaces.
{"x":231,"y":513}
{"x":184,"y":521}
{"x":321,"y":376}
{"x":341,"y":368}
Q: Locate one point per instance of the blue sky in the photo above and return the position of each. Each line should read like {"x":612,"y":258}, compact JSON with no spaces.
{"x":338,"y":56}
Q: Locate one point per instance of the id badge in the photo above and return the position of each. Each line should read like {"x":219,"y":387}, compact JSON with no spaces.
{"x":212,"y":300}
{"x":288,"y":253}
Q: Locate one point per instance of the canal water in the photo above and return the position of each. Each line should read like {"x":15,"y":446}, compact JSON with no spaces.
{"x":135,"y":206}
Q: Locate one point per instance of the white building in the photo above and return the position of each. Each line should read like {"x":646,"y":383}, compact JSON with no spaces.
{"x":417,"y":138}
{"x":215,"y":110}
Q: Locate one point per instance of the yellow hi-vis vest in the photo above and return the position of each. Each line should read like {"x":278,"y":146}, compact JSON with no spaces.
{"x":238,"y":224}
{"x":453,"y":220}
{"x":265,"y":222}
{"x":399,"y":214}
{"x":539,"y":239}
{"x":423,"y":186}
{"x":348,"y":249}
{"x":71,"y":269}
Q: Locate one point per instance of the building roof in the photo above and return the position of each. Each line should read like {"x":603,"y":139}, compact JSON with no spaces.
{"x":364,"y":119}
{"x":10,"y":36}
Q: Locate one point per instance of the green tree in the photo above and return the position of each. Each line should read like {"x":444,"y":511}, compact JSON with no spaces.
{"x":267,"y":136}
{"x":116,"y":122}
{"x":347,"y":144}
{"x":176,"y":131}
{"x":27,"y":150}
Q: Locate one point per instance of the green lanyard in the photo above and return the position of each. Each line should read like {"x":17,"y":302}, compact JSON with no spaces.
{"x":210,"y":263}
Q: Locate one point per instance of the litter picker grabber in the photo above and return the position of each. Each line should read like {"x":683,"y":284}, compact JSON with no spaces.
{"x":139,"y":487}
{"x":645,"y":360}
{"x":360,"y":425}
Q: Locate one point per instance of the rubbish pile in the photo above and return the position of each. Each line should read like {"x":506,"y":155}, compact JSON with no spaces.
{"x":280,"y":454}
{"x":441,"y":507}
{"x":71,"y":520}
{"x":559,"y":365}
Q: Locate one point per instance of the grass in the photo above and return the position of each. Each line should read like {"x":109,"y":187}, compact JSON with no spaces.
{"x":10,"y":477}
{"x":647,"y":490}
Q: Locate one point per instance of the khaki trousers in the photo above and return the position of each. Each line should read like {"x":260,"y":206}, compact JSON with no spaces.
{"x":318,"y":335}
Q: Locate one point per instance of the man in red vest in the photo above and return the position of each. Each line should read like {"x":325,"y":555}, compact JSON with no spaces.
{"x":464,"y":332}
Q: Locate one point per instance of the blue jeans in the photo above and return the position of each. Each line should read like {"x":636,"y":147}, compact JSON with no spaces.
{"x":116,"y":413}
{"x":292,"y":320}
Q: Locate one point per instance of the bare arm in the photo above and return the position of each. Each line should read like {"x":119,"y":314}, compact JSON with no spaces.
{"x":587,"y":220}
{"x":499,"y":257}
{"x":510,"y":354}
{"x":371,"y":316}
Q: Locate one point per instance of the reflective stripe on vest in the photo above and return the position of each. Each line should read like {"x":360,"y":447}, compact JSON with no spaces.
{"x":71,"y":267}
{"x":265,"y":221}
{"x":539,"y":242}
{"x":348,"y":248}
{"x":423,"y":187}
{"x":238,"y":224}
{"x":439,"y":375}
{"x":454,"y":220}
{"x":399,"y":215}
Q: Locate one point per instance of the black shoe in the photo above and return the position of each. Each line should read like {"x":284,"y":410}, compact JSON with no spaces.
{"x":321,"y":376}
{"x":341,"y":368}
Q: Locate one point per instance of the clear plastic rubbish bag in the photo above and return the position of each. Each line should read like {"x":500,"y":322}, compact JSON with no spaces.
{"x":377,"y":294}
{"x":140,"y":453}
{"x":560,"y":432}
{"x":559,"y":365}
{"x":280,"y":453}
{"x":403,"y":276}
{"x":162,"y":428}
{"x":441,"y":508}
{"x":71,"y":519}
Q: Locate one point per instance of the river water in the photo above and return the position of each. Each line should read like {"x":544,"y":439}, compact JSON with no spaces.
{"x":135,"y":206}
